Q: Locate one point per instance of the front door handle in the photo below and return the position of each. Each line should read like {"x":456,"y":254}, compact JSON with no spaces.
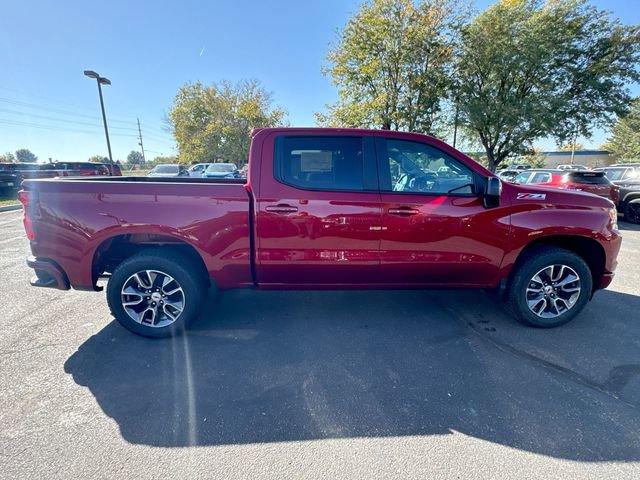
{"x":403,"y":211}
{"x":281,"y":208}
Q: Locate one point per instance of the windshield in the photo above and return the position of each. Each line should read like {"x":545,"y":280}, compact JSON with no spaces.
{"x":166,"y":169}
{"x":591,"y":178}
{"x":615,"y":174}
{"x":522,"y":177}
{"x":222,"y":168}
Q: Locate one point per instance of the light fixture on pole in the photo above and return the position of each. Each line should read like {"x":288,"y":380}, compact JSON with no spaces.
{"x":102,"y":81}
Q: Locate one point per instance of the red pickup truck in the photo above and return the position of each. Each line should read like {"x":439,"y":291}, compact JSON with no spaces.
{"x":321,"y":209}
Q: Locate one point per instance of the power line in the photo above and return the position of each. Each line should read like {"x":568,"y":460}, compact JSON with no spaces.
{"x":157,"y":137}
{"x":49,"y":100}
{"x":56,"y":110}
{"x":116,"y":118}
{"x":55,"y":128}
{"x":56,"y":119}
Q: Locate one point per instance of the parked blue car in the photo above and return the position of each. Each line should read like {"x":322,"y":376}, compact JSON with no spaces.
{"x":221,"y":170}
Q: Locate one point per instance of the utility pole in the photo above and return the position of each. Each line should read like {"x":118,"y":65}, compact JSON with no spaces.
{"x":144,"y":160}
{"x":455,"y":125}
{"x":573,"y":146}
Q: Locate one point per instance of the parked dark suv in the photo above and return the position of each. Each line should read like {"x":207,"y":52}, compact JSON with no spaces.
{"x":626,"y":176}
{"x":80,"y":169}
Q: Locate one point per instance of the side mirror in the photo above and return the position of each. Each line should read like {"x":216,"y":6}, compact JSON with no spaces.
{"x":492,"y":191}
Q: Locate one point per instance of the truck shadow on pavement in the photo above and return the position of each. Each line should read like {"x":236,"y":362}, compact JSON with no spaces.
{"x":288,"y":366}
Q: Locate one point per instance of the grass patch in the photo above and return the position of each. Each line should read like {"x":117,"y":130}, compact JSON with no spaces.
{"x":135,"y":173}
{"x":8,"y":201}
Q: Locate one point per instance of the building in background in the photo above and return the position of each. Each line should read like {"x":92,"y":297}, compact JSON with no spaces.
{"x":588,"y":158}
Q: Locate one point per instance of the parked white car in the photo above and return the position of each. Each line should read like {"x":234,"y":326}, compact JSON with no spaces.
{"x":168,"y":170}
{"x":198,"y":169}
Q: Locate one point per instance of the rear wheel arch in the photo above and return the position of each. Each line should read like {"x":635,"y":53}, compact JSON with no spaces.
{"x":630,"y":197}
{"x":114,"y":250}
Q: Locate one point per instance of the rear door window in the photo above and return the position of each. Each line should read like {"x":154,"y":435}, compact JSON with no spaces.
{"x":541,"y":177}
{"x":320,"y":163}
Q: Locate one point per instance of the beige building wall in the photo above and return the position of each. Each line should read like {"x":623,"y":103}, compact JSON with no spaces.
{"x":588,"y":158}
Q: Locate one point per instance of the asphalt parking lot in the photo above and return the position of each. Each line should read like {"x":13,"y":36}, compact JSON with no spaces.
{"x":404,"y":384}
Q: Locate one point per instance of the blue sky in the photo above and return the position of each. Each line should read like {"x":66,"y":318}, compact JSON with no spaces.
{"x":148,"y":50}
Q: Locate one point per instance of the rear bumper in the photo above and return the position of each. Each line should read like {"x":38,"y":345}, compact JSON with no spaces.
{"x":48,"y":274}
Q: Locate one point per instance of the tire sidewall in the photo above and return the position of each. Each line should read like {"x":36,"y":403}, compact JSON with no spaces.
{"x":533,"y":265}
{"x":632,"y":212}
{"x":193,"y":293}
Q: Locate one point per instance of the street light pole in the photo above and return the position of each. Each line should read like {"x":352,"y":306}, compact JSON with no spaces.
{"x":102,"y":81}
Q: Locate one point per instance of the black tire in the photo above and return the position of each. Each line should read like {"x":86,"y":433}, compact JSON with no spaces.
{"x":526,"y":269}
{"x":632,"y":212}
{"x":186,"y":272}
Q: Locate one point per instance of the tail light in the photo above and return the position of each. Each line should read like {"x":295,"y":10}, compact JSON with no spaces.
{"x":25,"y":198}
{"x":615,"y":194}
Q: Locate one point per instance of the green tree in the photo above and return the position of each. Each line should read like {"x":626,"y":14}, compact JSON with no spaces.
{"x":625,"y":135}
{"x":569,"y":146}
{"x":134,"y":158}
{"x":529,"y":69}
{"x":25,"y":155}
{"x":7,"y":158}
{"x":161,"y":159}
{"x":99,"y":159}
{"x":535,"y":158}
{"x":392,"y":65}
{"x":215,"y":122}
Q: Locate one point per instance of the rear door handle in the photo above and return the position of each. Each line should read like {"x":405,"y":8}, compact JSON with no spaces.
{"x":403,"y":211}
{"x":281,"y":208}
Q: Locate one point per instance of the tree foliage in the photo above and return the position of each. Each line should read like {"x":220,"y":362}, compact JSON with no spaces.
{"x":571,"y":146}
{"x":162,"y":159}
{"x":529,"y":70}
{"x":625,"y":135}
{"x":391,"y":65}
{"x":7,"y":158}
{"x":99,"y":159}
{"x":135,"y":158}
{"x":215,"y":122}
{"x":24,"y":155}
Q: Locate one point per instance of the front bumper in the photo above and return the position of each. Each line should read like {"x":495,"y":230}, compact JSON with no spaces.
{"x":605,"y":280}
{"x":48,"y":274}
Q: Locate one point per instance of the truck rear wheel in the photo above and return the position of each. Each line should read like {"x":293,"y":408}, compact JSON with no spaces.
{"x":156,"y":293}
{"x":549,"y":287}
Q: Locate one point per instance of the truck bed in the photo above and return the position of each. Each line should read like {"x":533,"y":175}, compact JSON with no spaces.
{"x":76,"y":220}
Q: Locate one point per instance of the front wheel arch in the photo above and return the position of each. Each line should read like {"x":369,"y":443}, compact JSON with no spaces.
{"x":586,"y":248}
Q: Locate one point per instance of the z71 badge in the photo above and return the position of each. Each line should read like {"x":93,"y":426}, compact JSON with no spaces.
{"x":531,"y":196}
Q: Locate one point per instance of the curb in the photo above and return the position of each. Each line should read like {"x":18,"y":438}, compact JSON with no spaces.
{"x":8,"y":208}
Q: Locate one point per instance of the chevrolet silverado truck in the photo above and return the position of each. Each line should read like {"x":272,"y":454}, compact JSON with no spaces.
{"x":321,"y":209}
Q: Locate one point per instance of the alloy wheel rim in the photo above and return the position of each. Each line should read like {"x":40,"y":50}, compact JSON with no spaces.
{"x":553,"y":290}
{"x":152,"y":298}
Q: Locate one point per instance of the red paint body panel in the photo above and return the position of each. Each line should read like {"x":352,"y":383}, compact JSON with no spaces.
{"x":306,"y":239}
{"x":70,"y":225}
{"x":328,"y":240}
{"x":452,"y":241}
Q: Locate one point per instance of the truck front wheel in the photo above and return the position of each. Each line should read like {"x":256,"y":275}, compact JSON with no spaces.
{"x":156,"y":293}
{"x":549,"y":287}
